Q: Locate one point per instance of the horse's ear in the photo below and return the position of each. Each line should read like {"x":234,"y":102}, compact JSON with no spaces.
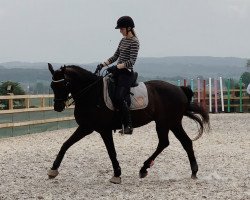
{"x":51,"y":69}
{"x":63,"y":68}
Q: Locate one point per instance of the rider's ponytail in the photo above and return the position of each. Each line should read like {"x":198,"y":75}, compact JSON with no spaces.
{"x":133,"y":32}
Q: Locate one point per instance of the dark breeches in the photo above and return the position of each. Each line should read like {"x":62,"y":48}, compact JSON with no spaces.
{"x":123,"y":81}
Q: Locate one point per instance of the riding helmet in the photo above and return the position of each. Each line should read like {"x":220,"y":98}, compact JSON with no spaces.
{"x":125,"y":22}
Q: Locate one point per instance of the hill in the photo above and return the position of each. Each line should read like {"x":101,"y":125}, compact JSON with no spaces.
{"x":186,"y":67}
{"x":191,"y":67}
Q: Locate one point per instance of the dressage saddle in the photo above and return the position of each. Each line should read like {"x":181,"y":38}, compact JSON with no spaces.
{"x":112,"y":86}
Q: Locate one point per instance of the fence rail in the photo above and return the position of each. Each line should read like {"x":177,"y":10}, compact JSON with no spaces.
{"x":33,"y":103}
{"x":22,"y":114}
{"x":26,"y":99}
{"x":36,"y":111}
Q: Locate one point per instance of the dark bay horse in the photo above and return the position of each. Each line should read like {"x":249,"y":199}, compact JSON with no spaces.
{"x":167,"y":106}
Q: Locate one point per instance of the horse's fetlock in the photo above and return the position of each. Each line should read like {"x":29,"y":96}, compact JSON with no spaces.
{"x":117,"y":172}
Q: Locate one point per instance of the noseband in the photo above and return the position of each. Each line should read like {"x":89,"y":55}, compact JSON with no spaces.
{"x":61,"y":99}
{"x":58,"y":80}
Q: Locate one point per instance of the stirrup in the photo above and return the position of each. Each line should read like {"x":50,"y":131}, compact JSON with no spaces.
{"x":128,"y":130}
{"x":122,"y":130}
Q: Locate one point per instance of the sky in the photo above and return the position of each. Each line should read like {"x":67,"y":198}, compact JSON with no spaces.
{"x":82,"y":31}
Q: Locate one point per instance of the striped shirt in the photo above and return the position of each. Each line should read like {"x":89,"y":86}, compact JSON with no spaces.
{"x":126,"y":52}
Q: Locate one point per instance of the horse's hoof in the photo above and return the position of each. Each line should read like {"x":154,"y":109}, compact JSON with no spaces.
{"x":143,"y":174}
{"x":116,"y":180}
{"x":193,"y":176}
{"x":52,"y":173}
{"x":152,"y":163}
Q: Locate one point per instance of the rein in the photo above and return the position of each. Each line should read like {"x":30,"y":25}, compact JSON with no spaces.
{"x":81,"y":92}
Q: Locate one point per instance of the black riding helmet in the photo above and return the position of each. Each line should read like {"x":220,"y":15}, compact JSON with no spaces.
{"x":125,"y":22}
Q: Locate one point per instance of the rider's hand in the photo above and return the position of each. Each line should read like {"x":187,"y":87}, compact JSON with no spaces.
{"x":112,"y":69}
{"x":100,"y":66}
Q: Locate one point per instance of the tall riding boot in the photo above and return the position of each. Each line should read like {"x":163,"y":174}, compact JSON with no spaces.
{"x":126,"y":119}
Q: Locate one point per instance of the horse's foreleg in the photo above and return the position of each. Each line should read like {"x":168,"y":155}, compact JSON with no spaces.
{"x":187,"y":144}
{"x":162,"y":133}
{"x":109,"y":143}
{"x":77,"y":135}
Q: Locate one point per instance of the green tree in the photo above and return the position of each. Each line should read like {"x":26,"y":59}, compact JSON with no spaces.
{"x":237,"y":86}
{"x":245,"y":78}
{"x":11,"y":87}
{"x":39,"y":88}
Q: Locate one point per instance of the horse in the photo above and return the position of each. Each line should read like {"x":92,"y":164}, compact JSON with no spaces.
{"x":167,"y":105}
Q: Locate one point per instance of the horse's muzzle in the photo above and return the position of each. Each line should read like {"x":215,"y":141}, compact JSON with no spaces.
{"x":59,"y":106}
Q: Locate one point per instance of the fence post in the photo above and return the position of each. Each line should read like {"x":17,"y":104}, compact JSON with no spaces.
{"x":42,"y":102}
{"x":27,"y":102}
{"x":10,"y":104}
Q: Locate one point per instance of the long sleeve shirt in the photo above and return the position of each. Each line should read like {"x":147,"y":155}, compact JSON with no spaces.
{"x":126,"y":52}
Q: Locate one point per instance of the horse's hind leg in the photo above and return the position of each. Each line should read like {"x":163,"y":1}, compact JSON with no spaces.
{"x":162,"y":132}
{"x":77,"y":135}
{"x":187,"y":144}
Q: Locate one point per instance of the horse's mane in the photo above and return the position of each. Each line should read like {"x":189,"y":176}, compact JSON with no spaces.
{"x":79,"y":72}
{"x":78,"y":69}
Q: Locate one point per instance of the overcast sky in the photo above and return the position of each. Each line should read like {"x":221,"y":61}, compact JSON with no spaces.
{"x":82,"y":31}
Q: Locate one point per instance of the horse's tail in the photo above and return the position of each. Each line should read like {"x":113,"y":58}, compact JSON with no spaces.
{"x":193,"y":109}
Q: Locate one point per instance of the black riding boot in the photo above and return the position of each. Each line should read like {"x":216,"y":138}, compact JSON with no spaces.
{"x":126,"y":119}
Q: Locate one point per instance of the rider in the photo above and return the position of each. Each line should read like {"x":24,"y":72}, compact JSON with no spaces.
{"x":126,"y":54}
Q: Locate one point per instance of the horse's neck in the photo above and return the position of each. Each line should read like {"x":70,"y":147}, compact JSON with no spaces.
{"x":87,"y":92}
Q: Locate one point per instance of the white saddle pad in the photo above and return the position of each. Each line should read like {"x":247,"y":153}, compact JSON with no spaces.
{"x":139,"y":96}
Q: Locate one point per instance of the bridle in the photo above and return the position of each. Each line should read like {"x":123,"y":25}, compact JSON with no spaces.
{"x":78,"y":94}
{"x":59,"y":81}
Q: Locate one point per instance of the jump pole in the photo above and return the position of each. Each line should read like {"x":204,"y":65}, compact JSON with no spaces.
{"x":228,"y":95}
{"x":179,"y":83}
{"x":215,"y":95}
{"x":222,"y":96}
{"x":204,"y":93}
{"x":192,"y":87}
{"x":199,"y":89}
{"x":240,"y":94}
{"x":210,"y":94}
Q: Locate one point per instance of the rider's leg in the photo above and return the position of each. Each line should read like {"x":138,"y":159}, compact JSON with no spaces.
{"x":121,"y":94}
{"x":123,"y":82}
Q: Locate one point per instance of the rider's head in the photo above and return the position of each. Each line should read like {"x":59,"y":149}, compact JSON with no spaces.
{"x":126,"y":25}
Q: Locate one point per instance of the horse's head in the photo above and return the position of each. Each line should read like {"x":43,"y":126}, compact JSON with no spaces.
{"x":60,"y":87}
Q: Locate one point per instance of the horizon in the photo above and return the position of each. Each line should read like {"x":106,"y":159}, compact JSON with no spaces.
{"x":30,"y":62}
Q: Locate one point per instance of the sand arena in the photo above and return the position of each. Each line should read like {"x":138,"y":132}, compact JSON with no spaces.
{"x":223,"y":156}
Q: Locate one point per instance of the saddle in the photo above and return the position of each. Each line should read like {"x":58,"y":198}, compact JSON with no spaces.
{"x":138,"y":93}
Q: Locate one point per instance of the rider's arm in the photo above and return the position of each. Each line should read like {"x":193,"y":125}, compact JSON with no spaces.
{"x":114,"y":57}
